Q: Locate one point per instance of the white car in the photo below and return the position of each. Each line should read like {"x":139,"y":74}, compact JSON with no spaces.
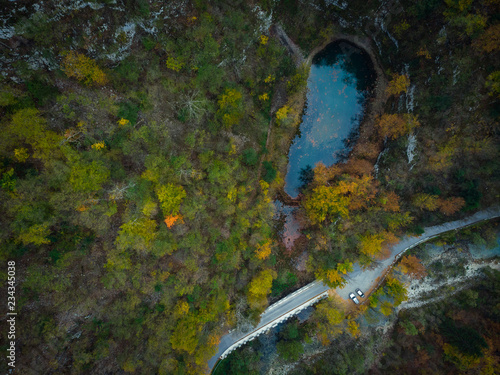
{"x":354,"y":299}
{"x":360,"y":293}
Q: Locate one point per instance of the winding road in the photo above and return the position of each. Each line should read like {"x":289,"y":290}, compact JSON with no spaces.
{"x":368,"y":279}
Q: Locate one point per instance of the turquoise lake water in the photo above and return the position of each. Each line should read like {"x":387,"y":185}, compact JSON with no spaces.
{"x":339,"y":84}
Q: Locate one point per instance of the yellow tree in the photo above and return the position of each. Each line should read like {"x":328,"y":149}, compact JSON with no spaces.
{"x":353,"y":328}
{"x":259,"y":288}
{"x":170,"y":197}
{"x":398,"y":84}
{"x":30,"y":127}
{"x":186,"y":334}
{"x":329,"y":318}
{"x":88,"y":177}
{"x":83,"y":68}
{"x":395,"y":125}
{"x":334,"y":278}
{"x":396,"y":289}
{"x":263,"y":250}
{"x":371,"y":244}
{"x":426,"y":201}
{"x":325,"y":201}
{"x":36,"y":235}
{"x":230,"y":109}
{"x":137,"y":234}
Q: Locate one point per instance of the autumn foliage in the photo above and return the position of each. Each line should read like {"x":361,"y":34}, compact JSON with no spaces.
{"x":429,"y":202}
{"x":259,"y":288}
{"x":398,"y":84}
{"x":263,"y":251}
{"x":83,"y":68}
{"x":395,"y":125}
{"x":334,"y":278}
{"x":323,"y":174}
{"x":172,"y":219}
{"x":371,"y":244}
{"x":412,"y":266}
{"x":490,"y":41}
{"x":329,"y":318}
{"x":230,"y":107}
{"x":451,"y":205}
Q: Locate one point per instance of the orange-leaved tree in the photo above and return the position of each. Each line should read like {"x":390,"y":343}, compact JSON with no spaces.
{"x":412,"y":266}
{"x":490,"y":41}
{"x":451,"y":205}
{"x":323,"y":174}
{"x":170,"y":220}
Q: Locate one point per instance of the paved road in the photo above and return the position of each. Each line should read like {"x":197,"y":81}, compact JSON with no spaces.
{"x":364,"y":279}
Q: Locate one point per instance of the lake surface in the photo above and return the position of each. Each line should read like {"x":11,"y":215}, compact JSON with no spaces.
{"x":339,"y":83}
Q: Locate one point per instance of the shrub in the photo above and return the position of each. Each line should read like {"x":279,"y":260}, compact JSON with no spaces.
{"x":128,"y":111}
{"x":270,"y":173}
{"x":250,"y":157}
{"x":41,"y":91}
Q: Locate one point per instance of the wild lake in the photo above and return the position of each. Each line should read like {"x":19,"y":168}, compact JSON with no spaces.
{"x":340,"y":82}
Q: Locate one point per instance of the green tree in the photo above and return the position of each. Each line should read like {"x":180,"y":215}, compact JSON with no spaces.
{"x":230,"y":109}
{"x":137,"y":234}
{"x":329,"y":318}
{"x":290,"y":350}
{"x":88,"y":177}
{"x":36,"y":235}
{"x":170,"y":197}
{"x":30,"y":127}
